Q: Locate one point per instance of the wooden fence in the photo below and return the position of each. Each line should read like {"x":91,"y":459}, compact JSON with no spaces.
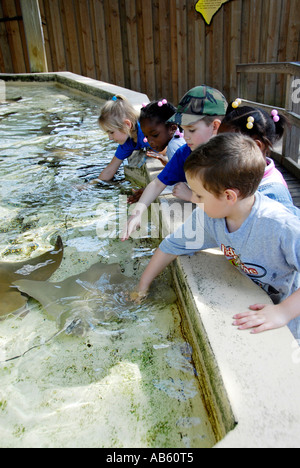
{"x":159,"y":47}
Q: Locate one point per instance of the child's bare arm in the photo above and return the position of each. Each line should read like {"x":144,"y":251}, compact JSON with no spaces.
{"x":110,"y":170}
{"x":157,"y":264}
{"x":262,"y":317}
{"x":150,"y":193}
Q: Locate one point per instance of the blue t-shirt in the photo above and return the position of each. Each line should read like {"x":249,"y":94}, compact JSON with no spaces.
{"x":124,"y":151}
{"x":173,"y":172}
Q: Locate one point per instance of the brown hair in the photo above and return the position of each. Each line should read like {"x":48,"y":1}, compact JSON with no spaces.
{"x":115,"y":112}
{"x":227,"y":161}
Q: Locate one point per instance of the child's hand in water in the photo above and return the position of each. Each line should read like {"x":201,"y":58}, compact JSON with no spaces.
{"x":133,"y":223}
{"x":138,"y":296}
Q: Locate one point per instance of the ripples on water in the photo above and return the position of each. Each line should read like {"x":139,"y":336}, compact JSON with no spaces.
{"x":130,"y":380}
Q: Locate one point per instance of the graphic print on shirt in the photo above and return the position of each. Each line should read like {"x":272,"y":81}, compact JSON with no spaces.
{"x":255,"y":272}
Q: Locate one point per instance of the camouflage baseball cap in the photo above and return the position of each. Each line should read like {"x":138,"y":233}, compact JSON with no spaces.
{"x":197,"y":104}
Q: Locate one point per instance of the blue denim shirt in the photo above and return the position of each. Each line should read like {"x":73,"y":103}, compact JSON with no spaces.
{"x":277,"y":191}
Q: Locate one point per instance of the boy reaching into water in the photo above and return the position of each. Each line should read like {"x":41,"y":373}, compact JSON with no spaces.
{"x":256,"y":234}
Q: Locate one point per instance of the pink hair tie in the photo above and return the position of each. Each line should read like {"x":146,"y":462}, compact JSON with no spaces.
{"x":161,"y":103}
{"x":144,"y":104}
{"x":145,"y":140}
{"x":179,"y":133}
{"x":275,"y":115}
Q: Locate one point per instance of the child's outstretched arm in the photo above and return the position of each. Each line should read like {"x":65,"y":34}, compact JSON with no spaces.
{"x":263,"y":317}
{"x":110,"y":170}
{"x":150,"y":193}
{"x":157,"y":264}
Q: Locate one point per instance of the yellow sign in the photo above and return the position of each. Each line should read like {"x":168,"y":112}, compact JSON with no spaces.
{"x":208,"y":8}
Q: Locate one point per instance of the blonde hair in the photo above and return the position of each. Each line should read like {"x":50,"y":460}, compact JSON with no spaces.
{"x":115,"y":112}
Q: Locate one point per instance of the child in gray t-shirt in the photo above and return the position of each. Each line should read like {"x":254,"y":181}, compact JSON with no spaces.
{"x":256,"y":234}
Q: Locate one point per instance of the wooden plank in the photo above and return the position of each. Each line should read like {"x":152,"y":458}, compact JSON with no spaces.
{"x":101,"y":53}
{"x":55,"y":34}
{"x":190,"y":60}
{"x":181,"y":20}
{"x":147,"y":21}
{"x":133,"y":46}
{"x":174,"y":54}
{"x":124,"y":43}
{"x":292,"y":47}
{"x":22,"y":33}
{"x":216,"y":59}
{"x":117,"y":56}
{"x":199,"y":46}
{"x":272,"y":46}
{"x":6,"y":65}
{"x":164,"y":55}
{"x":46,"y":36}
{"x":114,"y":42}
{"x":14,"y":38}
{"x":265,"y":67}
{"x":87,"y":38}
{"x":73,"y":58}
{"x":34,"y":36}
{"x":157,"y":50}
{"x":254,"y":39}
{"x":76,"y":8}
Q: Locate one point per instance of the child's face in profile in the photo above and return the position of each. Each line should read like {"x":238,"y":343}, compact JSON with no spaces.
{"x":198,"y":133}
{"x":157,"y":134}
{"x":117,"y":136}
{"x":213,"y":206}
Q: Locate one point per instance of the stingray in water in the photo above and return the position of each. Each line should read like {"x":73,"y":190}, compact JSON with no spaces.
{"x":81,"y":301}
{"x":95,"y":297}
{"x":38,"y":269}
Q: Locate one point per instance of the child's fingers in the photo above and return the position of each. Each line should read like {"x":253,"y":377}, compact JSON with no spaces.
{"x":248,"y":319}
{"x":253,"y":308}
{"x":249,"y":322}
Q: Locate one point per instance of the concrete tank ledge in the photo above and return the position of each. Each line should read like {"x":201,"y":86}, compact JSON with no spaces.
{"x":80,"y":83}
{"x":252,"y":381}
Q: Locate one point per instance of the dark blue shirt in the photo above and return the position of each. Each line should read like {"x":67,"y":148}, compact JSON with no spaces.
{"x":124,"y":151}
{"x":173,"y":172}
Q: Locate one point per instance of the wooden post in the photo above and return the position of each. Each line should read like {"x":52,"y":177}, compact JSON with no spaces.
{"x":34,"y":36}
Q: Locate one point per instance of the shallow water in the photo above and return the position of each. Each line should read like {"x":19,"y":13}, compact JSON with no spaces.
{"x":129,"y":379}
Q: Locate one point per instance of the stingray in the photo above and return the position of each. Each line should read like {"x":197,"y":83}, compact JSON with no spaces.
{"x":80,"y":301}
{"x":97,"y":296}
{"x":37,"y":269}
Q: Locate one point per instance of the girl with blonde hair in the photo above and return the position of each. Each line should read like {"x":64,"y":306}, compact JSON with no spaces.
{"x":119,"y":120}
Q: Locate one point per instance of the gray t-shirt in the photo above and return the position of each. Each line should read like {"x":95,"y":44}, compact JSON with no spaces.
{"x":266,"y":247}
{"x":173,"y":146}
